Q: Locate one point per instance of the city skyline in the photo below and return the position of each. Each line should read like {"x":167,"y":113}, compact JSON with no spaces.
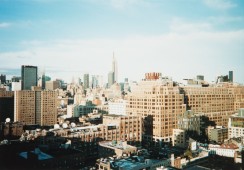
{"x":180,"y":39}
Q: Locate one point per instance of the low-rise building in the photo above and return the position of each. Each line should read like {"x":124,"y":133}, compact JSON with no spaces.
{"x":131,"y":163}
{"x":236,"y":124}
{"x":179,"y":138}
{"x":227,"y":150}
{"x":11,"y":129}
{"x":118,"y":148}
{"x":88,"y":107}
{"x":130,"y":126}
{"x":218,"y":134}
{"x":190,"y":122}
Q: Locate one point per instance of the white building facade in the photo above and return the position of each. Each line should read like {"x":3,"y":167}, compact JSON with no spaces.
{"x":224,"y":150}
{"x":236,"y":124}
{"x":117,"y":107}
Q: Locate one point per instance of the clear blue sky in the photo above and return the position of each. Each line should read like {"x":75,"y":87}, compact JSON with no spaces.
{"x":180,"y":38}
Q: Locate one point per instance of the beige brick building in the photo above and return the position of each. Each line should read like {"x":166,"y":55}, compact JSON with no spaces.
{"x":89,"y":133}
{"x":24,"y":106}
{"x":159,"y":103}
{"x":52,"y":85}
{"x":217,"y":102}
{"x":4,"y":93}
{"x":114,"y":128}
{"x":130,"y":127}
{"x":36,"y":107}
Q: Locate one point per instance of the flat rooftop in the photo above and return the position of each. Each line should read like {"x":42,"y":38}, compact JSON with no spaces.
{"x":41,"y":155}
{"x":119,"y":145}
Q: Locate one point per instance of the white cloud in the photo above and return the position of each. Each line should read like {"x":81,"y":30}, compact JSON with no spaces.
{"x":4,"y":25}
{"x":187,"y":50}
{"x":220,"y":4}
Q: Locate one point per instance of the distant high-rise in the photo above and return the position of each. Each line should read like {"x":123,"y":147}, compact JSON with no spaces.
{"x":115,"y":69}
{"x":52,"y":85}
{"x":97,"y":81}
{"x":86,"y":81}
{"x":43,"y":80}
{"x":110,"y":79}
{"x":94,"y":81}
{"x":100,"y":81}
{"x":126,"y":85}
{"x":28,"y":76}
{"x":200,"y":77}
{"x":2,"y":79}
{"x":16,"y":79}
{"x":231,"y":76}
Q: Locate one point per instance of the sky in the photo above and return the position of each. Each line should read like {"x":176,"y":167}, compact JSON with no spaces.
{"x":179,"y":38}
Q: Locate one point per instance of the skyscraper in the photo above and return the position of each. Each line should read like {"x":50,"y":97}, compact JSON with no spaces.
{"x":115,"y":69}
{"x":2,"y":79}
{"x":231,"y":76}
{"x":86,"y":81}
{"x":110,"y":79}
{"x":29,"y":77}
{"x":43,"y":80}
{"x":94,"y":81}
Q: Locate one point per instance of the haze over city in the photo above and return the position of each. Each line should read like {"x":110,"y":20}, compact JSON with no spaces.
{"x":178,"y":38}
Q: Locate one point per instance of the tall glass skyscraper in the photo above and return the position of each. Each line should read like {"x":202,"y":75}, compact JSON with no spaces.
{"x":86,"y":81}
{"x":231,"y":76}
{"x":28,"y":76}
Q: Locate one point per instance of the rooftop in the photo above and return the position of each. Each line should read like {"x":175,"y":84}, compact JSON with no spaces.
{"x":224,"y":146}
{"x":114,"y":145}
{"x":41,"y":155}
{"x":130,"y":163}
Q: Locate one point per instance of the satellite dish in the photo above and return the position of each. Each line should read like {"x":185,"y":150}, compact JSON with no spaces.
{"x":73,"y":124}
{"x":64,"y":125}
{"x":7,"y":120}
{"x":56,"y":126}
{"x":38,"y":130}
